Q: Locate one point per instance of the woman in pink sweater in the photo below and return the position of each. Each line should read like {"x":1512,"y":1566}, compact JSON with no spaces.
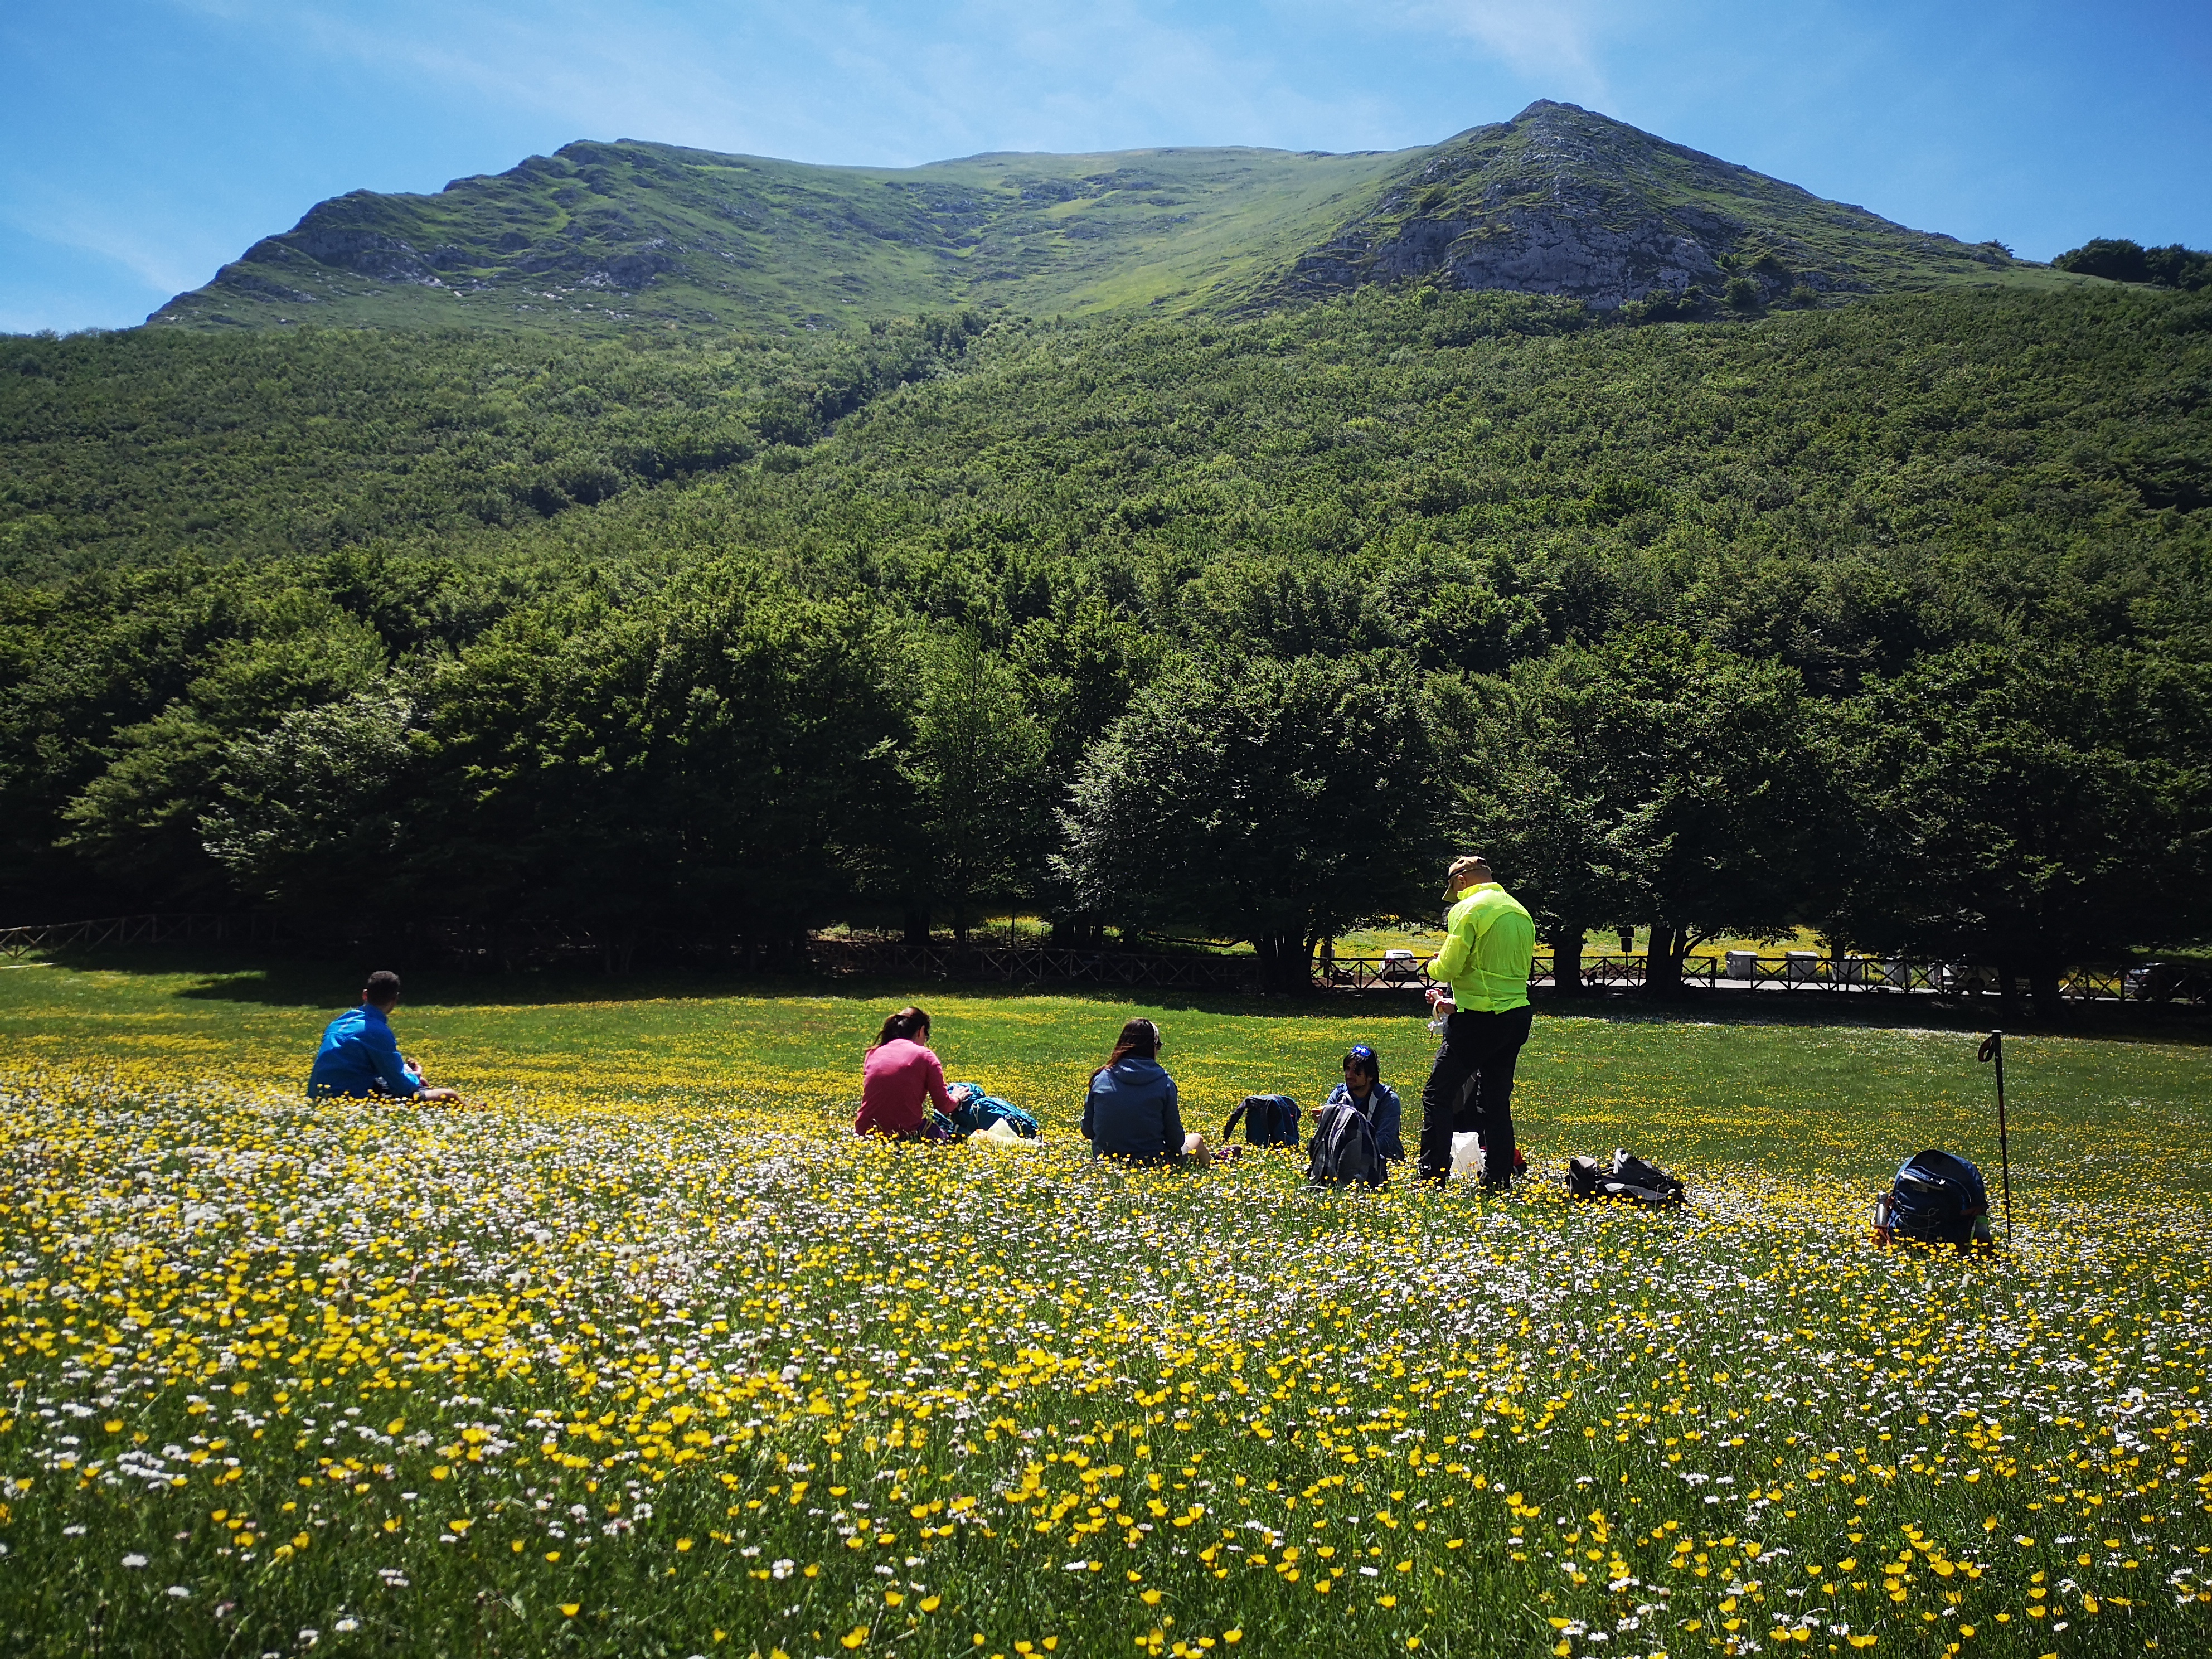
{"x":901,"y":1080}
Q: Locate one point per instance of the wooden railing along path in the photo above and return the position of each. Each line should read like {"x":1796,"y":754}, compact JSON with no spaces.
{"x":15,"y":943}
{"x":1802,"y":972}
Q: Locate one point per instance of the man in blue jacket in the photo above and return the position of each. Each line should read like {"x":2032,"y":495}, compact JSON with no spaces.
{"x":359,"y":1059}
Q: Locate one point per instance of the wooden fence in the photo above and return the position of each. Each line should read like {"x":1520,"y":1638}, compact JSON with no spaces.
{"x":16,"y":943}
{"x":1791,"y":972}
{"x":1798,"y":972}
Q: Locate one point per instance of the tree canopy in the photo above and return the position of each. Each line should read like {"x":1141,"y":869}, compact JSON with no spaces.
{"x":885,"y":629}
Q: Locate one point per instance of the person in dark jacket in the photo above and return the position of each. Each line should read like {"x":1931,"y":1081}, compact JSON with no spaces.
{"x":1377,"y":1101}
{"x":1132,"y":1111}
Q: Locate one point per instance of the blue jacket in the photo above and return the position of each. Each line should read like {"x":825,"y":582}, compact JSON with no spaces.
{"x":1384,"y":1116}
{"x":1132,"y":1112}
{"x":359,"y":1059}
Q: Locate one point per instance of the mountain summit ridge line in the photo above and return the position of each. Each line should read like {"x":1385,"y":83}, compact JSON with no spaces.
{"x":605,"y":238}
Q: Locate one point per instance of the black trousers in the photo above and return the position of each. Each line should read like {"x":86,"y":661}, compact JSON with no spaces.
{"x":1471,"y":1088}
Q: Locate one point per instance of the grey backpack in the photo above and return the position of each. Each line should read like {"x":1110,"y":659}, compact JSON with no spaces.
{"x":1343,"y":1153}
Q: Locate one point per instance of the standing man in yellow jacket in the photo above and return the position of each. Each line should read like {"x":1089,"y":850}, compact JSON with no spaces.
{"x":1490,"y":941}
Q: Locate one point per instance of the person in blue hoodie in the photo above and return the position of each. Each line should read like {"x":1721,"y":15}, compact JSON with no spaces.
{"x":1377,"y":1101}
{"x":1132,"y":1111}
{"x":359,"y":1058}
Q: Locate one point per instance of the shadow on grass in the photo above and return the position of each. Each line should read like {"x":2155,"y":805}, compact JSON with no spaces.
{"x":259,"y":977}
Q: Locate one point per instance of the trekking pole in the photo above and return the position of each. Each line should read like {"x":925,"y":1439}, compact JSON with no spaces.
{"x":1993,"y":1049}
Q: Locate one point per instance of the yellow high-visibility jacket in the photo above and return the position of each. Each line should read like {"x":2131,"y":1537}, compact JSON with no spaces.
{"x":1489,"y":943}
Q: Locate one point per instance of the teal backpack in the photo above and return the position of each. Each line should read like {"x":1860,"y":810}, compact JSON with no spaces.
{"x":977,"y":1111}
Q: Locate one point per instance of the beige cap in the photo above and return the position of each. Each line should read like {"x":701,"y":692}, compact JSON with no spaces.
{"x":1472,"y":868}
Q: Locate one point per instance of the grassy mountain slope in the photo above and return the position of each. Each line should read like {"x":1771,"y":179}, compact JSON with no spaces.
{"x":603,"y":238}
{"x":974,"y":472}
{"x":132,"y":447}
{"x":1842,"y":488}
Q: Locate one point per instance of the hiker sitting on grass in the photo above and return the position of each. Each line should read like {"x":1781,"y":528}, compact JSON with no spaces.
{"x":901,"y":1081}
{"x":359,"y":1059}
{"x":1377,"y":1101}
{"x":1132,"y":1112}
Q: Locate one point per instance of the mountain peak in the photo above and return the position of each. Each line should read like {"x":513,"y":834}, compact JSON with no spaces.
{"x":1566,"y":201}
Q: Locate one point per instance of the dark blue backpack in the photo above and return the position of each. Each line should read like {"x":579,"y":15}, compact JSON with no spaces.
{"x":1938,"y":1199}
{"x":978,"y":1111}
{"x":1269,"y":1120}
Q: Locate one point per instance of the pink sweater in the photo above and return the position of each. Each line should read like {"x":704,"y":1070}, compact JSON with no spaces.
{"x":899,"y":1077}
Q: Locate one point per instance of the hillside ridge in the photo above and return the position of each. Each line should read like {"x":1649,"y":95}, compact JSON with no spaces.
{"x":605,"y":238}
{"x":1562,"y":201}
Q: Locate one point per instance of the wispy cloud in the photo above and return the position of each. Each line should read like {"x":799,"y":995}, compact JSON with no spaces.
{"x":854,"y":83}
{"x":150,"y":254}
{"x":1554,"y":42}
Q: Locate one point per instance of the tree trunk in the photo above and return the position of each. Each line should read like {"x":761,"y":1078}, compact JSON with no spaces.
{"x":1286,"y":962}
{"x":1567,"y":959}
{"x":917,"y":923}
{"x":1663,"y":969}
{"x":617,"y":951}
{"x":1079,"y":930}
{"x":2044,"y":985}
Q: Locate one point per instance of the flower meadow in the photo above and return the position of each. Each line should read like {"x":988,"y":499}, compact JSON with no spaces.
{"x":633,"y":1373}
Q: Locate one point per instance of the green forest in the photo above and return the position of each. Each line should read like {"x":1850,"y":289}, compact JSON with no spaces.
{"x":1891,"y":620}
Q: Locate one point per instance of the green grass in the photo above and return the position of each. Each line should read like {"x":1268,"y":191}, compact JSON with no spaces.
{"x":646,"y":1355}
{"x":1749,"y":1085}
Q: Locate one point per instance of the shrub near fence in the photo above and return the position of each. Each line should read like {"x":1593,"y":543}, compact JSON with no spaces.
{"x":1033,"y":965}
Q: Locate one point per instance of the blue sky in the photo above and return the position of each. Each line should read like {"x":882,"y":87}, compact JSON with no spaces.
{"x":144,"y":142}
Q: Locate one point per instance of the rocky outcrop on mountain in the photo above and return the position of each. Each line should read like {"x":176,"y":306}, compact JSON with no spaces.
{"x":1561,"y":200}
{"x":360,"y":235}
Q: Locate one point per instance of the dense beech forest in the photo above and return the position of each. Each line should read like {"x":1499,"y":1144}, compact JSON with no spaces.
{"x":1893,"y":620}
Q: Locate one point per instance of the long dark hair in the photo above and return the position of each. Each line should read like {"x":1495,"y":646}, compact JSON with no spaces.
{"x":906,"y":1023}
{"x":1140,"y":1037}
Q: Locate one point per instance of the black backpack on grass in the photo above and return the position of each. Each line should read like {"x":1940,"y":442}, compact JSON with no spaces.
{"x":1630,"y":1178}
{"x":1269,"y":1120}
{"x":1938,"y":1198}
{"x":1344,"y":1153}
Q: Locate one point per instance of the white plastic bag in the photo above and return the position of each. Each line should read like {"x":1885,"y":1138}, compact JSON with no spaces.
{"x":1466,"y":1156}
{"x":1001,"y":1133}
